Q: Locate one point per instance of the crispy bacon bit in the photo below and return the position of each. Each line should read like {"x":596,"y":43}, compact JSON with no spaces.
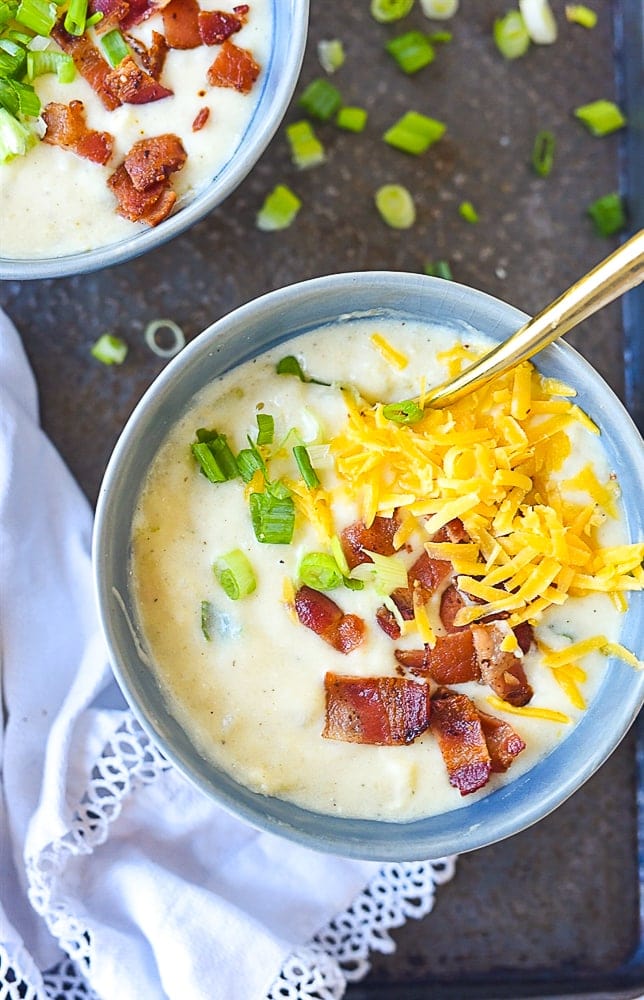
{"x":500,"y":669}
{"x":215,"y":26}
{"x":151,"y":206}
{"x":89,"y":63}
{"x":451,"y":661}
{"x":451,"y":603}
{"x":402,"y":598}
{"x":181,"y":23}
{"x":151,"y":161}
{"x":66,"y":127}
{"x":385,"y":711}
{"x":201,"y":118}
{"x":234,"y":67}
{"x":377,"y":538}
{"x":141,"y":10}
{"x":152,"y":58}
{"x":241,"y":10}
{"x":456,"y":724}
{"x":525,"y":636}
{"x":129,"y":84}
{"x":503,"y":743}
{"x":324,"y":617}
{"x":113,"y":11}
{"x":453,"y":531}
{"x":428,"y":574}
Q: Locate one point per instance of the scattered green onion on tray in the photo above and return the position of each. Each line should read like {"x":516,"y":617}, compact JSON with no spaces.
{"x":543,"y":153}
{"x":608,"y":214}
{"x":306,"y":149}
{"x":411,"y":51}
{"x":600,"y":117}
{"x":320,"y":99}
{"x":351,"y":119}
{"x":279,"y":210}
{"x":414,"y":133}
{"x":109,"y":350}
{"x":396,"y":206}
{"x":511,"y":35}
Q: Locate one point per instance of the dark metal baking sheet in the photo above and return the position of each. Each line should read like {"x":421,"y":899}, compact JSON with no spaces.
{"x":556,"y":910}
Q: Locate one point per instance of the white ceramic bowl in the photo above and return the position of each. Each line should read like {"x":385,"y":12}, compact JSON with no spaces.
{"x":236,"y":338}
{"x":290,"y":22}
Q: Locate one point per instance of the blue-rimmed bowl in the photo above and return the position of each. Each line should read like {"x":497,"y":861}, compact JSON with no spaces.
{"x":242,"y":335}
{"x":290,"y":24}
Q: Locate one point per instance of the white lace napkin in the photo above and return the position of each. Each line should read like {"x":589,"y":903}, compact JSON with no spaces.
{"x":116,"y":875}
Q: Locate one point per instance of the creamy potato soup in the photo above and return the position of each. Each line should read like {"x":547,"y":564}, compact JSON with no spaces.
{"x":464,"y":552}
{"x":55,"y":201}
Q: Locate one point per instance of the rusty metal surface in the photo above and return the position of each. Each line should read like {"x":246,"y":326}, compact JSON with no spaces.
{"x":560,"y":899}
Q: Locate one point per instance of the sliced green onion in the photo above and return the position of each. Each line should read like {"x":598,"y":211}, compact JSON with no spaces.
{"x":60,"y":63}
{"x":391,"y":605}
{"x":608,"y":214}
{"x":265,"y":428}
{"x":414,"y":133}
{"x":385,"y":11}
{"x":331,"y":54}
{"x":12,"y":58}
{"x":511,"y":35}
{"x":109,"y":350}
{"x":291,"y":366}
{"x":178,"y":340}
{"x":320,"y":99}
{"x":387,"y":573}
{"x":439,"y":10}
{"x":221,"y":450}
{"x":396,"y":206}
{"x":405,"y":412}
{"x":115,"y":47}
{"x":438,"y":269}
{"x":15,"y":138}
{"x":319,"y":571}
{"x":321,"y":456}
{"x":8,"y":96}
{"x":206,"y":620}
{"x":249,"y":461}
{"x":467,"y":211}
{"x":95,"y":18}
{"x":306,"y":149}
{"x":28,"y":100}
{"x":37,"y":15}
{"x":235,"y":575}
{"x":279,"y":209}
{"x":339,"y":556}
{"x":578,"y":13}
{"x":208,"y":462}
{"x":351,"y":584}
{"x":273,"y":518}
{"x":412,"y":51}
{"x":543,"y":153}
{"x":75,"y":19}
{"x":19,"y":37}
{"x":439,"y":37}
{"x":308,"y":473}
{"x":539,"y":21}
{"x":600,"y":117}
{"x":351,"y":119}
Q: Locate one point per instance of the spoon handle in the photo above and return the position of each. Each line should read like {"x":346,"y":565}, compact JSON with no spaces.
{"x":616,"y":274}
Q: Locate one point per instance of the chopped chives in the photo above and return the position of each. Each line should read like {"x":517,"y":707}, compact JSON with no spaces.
{"x":272,"y":517}
{"x":291,"y":366}
{"x":75,"y":18}
{"x":412,"y":51}
{"x":279,"y":209}
{"x":109,"y":350}
{"x":467,"y":211}
{"x":600,"y":117}
{"x":265,"y":428}
{"x":115,"y":47}
{"x":37,"y":15}
{"x":608,"y":214}
{"x":214,"y":456}
{"x":308,"y":473}
{"x":405,"y":412}
{"x":331,"y":54}
{"x":396,"y":206}
{"x":414,"y":133}
{"x":578,"y":13}
{"x":306,"y":149}
{"x":235,"y":575}
{"x":390,"y":10}
{"x":543,"y":153}
{"x":351,"y":119}
{"x":438,"y":269}
{"x":511,"y":35}
{"x":320,"y":99}
{"x":319,"y":571}
{"x":208,"y":463}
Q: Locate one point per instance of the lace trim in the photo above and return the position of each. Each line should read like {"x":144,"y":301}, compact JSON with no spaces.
{"x":338,"y":954}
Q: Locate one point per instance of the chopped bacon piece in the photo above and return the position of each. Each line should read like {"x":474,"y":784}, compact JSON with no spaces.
{"x":241,"y":10}
{"x":379,"y":537}
{"x":500,"y":669}
{"x":451,"y":661}
{"x":201,"y":118}
{"x":215,"y":26}
{"x":428,"y":574}
{"x":402,"y":598}
{"x":141,"y":10}
{"x":324,"y":617}
{"x":456,"y":724}
{"x":451,"y":603}
{"x":152,"y":160}
{"x":114,"y":13}
{"x":453,"y":531}
{"x":129,"y":84}
{"x":152,"y":58}
{"x":181,"y":24}
{"x":234,"y":67}
{"x":66,"y":127}
{"x":151,"y":206}
{"x":89,"y":63}
{"x":385,"y":711}
{"x":503,"y":743}
{"x":525,"y":635}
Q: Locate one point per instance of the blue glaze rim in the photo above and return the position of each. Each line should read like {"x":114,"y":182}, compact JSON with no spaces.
{"x":248,"y":331}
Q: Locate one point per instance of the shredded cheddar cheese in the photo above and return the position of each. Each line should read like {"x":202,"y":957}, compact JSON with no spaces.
{"x":528,"y":711}
{"x":389,"y":352}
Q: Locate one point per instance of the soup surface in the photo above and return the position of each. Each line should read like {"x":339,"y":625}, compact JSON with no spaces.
{"x":54,"y":202}
{"x":249,"y":678}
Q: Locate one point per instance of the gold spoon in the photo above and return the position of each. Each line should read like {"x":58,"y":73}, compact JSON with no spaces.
{"x":616,"y":274}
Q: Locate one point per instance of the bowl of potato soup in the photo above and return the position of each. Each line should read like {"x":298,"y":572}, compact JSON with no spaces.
{"x":137,"y":123}
{"x":379,"y":629}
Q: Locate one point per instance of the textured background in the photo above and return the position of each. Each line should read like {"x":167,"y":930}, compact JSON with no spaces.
{"x":557,"y":906}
